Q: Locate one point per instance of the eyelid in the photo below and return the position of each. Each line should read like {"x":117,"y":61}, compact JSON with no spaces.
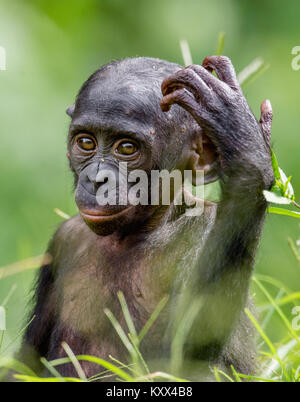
{"x":124,"y":140}
{"x":79,"y":135}
{"x":126,"y":157}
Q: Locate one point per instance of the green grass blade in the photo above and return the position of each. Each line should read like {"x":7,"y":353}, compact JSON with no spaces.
{"x":153,"y":317}
{"x":162,"y":375}
{"x":279,"y":311}
{"x":236,"y":375}
{"x":271,"y":310}
{"x":217,"y":373}
{"x":252,"y":71}
{"x":186,"y":52}
{"x":283,"y":351}
{"x":267,"y":340}
{"x":25,"y":265}
{"x":281,"y":211}
{"x":10,"y":293}
{"x":253,"y":378}
{"x":141,"y":359}
{"x":124,"y":366}
{"x":221,"y":44}
{"x":26,"y":378}
{"x":1,"y":339}
{"x":275,"y":165}
{"x":121,"y":333}
{"x":291,"y":298}
{"x":20,"y":333}
{"x":182,"y":331}
{"x":100,"y":362}
{"x":128,"y":318}
{"x":74,"y":361}
{"x":61,"y":214}
{"x":51,"y":369}
{"x":274,"y":282}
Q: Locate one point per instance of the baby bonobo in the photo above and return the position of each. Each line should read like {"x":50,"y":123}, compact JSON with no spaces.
{"x":151,"y":115}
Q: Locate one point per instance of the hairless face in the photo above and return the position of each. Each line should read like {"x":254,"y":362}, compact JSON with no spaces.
{"x":117,"y":118}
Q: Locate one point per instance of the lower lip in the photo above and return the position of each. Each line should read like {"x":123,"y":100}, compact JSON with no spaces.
{"x":94,"y":217}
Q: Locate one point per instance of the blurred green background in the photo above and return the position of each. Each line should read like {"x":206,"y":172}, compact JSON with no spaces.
{"x":53,"y":46}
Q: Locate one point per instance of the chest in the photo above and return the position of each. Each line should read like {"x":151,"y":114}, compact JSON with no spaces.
{"x":90,"y":278}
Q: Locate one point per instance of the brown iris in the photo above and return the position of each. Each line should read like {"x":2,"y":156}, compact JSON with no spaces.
{"x":86,"y":143}
{"x":126,"y":149}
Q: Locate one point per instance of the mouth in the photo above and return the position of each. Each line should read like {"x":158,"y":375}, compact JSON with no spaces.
{"x":101,"y":216}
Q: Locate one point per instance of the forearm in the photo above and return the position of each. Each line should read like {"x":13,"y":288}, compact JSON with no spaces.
{"x":221,"y":278}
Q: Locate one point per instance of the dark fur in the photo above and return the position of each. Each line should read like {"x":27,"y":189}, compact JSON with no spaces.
{"x":157,"y":251}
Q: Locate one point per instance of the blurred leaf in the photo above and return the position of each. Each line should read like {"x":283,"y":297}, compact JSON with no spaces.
{"x":15,"y":365}
{"x":287,"y":187}
{"x":275,"y":199}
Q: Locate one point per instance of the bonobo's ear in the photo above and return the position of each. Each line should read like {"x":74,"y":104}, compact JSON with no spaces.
{"x":203,"y":157}
{"x":70,"y":110}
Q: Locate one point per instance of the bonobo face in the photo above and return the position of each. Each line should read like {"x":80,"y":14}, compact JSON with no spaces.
{"x":116,"y":123}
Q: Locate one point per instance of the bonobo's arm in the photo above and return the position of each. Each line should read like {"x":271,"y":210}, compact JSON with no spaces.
{"x":224,"y":268}
{"x":37,"y":336}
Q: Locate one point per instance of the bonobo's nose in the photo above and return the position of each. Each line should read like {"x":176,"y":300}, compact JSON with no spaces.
{"x":91,"y":181}
{"x":98,"y":174}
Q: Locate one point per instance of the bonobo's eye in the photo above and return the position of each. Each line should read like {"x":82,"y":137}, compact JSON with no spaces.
{"x":86,"y":143}
{"x":126,"y":149}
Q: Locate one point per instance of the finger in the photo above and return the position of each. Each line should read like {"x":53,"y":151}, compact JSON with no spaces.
{"x":211,"y":81}
{"x":265,"y":122}
{"x":188,"y":79}
{"x":223,"y":68}
{"x":181,"y":97}
{"x":187,"y":101}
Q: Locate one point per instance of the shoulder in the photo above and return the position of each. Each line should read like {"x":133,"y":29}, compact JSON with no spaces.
{"x":71,"y":228}
{"x":68,"y":238}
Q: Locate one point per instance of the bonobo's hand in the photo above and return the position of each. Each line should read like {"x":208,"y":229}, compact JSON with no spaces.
{"x":220,"y":108}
